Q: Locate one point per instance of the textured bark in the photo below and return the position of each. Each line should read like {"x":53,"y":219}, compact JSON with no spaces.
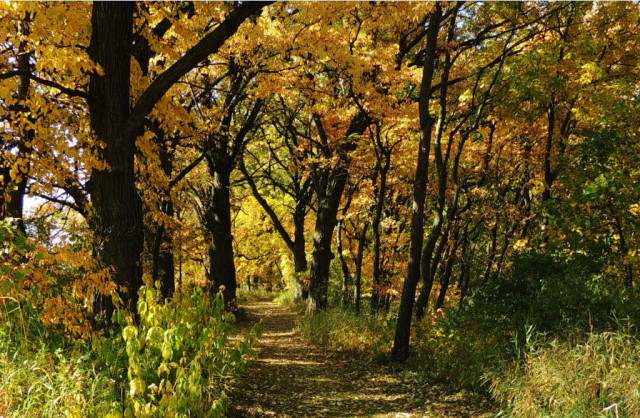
{"x":118,"y":209}
{"x":330,"y":185}
{"x":218,"y":222}
{"x":403,"y":328}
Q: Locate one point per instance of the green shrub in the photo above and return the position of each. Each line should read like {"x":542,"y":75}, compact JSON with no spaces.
{"x":179,"y":359}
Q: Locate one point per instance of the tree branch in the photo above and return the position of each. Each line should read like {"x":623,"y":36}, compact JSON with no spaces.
{"x":66,"y":90}
{"x":208,"y":45}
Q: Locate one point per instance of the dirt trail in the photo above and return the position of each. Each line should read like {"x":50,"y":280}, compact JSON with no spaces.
{"x":293,"y":378}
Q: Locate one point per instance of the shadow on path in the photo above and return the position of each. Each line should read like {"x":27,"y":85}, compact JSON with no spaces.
{"x":293,"y":378}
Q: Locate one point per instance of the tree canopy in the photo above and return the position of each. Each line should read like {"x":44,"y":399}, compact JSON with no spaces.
{"x":402,"y":152}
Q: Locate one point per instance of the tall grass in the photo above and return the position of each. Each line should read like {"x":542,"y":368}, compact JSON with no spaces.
{"x":174,"y":362}
{"x":42,"y":373}
{"x":596,"y":375}
{"x":343,"y":330}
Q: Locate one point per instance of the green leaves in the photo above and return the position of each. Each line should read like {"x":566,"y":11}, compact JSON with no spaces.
{"x":178,"y":357}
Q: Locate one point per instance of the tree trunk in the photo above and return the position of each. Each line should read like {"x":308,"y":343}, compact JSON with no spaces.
{"x":358,"y":279}
{"x":118,"y":208}
{"x":330,"y":185}
{"x":377,"y":218}
{"x":218,"y":221}
{"x":12,"y":190}
{"x":346,"y":274}
{"x":403,"y":328}
{"x":299,"y":251}
{"x":163,"y":265}
{"x":428,"y":269}
{"x":328,"y":202}
{"x":446,"y":274}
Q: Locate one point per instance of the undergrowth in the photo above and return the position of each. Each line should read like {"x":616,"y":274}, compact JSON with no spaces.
{"x":256,"y":294}
{"x":592,"y":376}
{"x":343,"y":330}
{"x":175,"y":362}
{"x":547,"y":341}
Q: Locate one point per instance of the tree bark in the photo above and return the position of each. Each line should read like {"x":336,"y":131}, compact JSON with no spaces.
{"x":117,"y":206}
{"x":218,"y":222}
{"x":403,"y":328}
{"x":329,"y":188}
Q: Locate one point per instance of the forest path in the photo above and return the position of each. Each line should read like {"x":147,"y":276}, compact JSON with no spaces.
{"x":293,"y":378}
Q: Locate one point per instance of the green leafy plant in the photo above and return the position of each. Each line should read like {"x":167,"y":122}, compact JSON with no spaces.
{"x":179,"y":355}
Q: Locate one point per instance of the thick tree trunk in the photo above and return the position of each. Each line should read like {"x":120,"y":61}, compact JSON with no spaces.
{"x":328,"y":203}
{"x":117,"y":206}
{"x":218,"y":221}
{"x":403,"y":328}
{"x":329,"y":188}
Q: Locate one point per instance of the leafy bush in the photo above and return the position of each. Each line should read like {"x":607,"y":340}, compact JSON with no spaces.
{"x":286,"y":298}
{"x":179,"y":359}
{"x":176,"y":361}
{"x":545,"y":295}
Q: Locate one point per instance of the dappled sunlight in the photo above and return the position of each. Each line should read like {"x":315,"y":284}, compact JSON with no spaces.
{"x":288,"y":362}
{"x":293,"y":378}
{"x":277,"y":334}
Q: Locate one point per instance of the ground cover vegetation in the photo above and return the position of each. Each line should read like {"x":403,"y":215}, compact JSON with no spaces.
{"x":447,"y":187}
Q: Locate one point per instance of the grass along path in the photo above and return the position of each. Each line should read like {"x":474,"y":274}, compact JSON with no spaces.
{"x":293,"y":378}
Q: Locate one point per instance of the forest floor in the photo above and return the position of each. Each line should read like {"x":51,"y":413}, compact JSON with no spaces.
{"x":293,"y":378}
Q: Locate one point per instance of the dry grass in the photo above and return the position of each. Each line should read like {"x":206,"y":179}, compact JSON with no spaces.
{"x":599,"y":376}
